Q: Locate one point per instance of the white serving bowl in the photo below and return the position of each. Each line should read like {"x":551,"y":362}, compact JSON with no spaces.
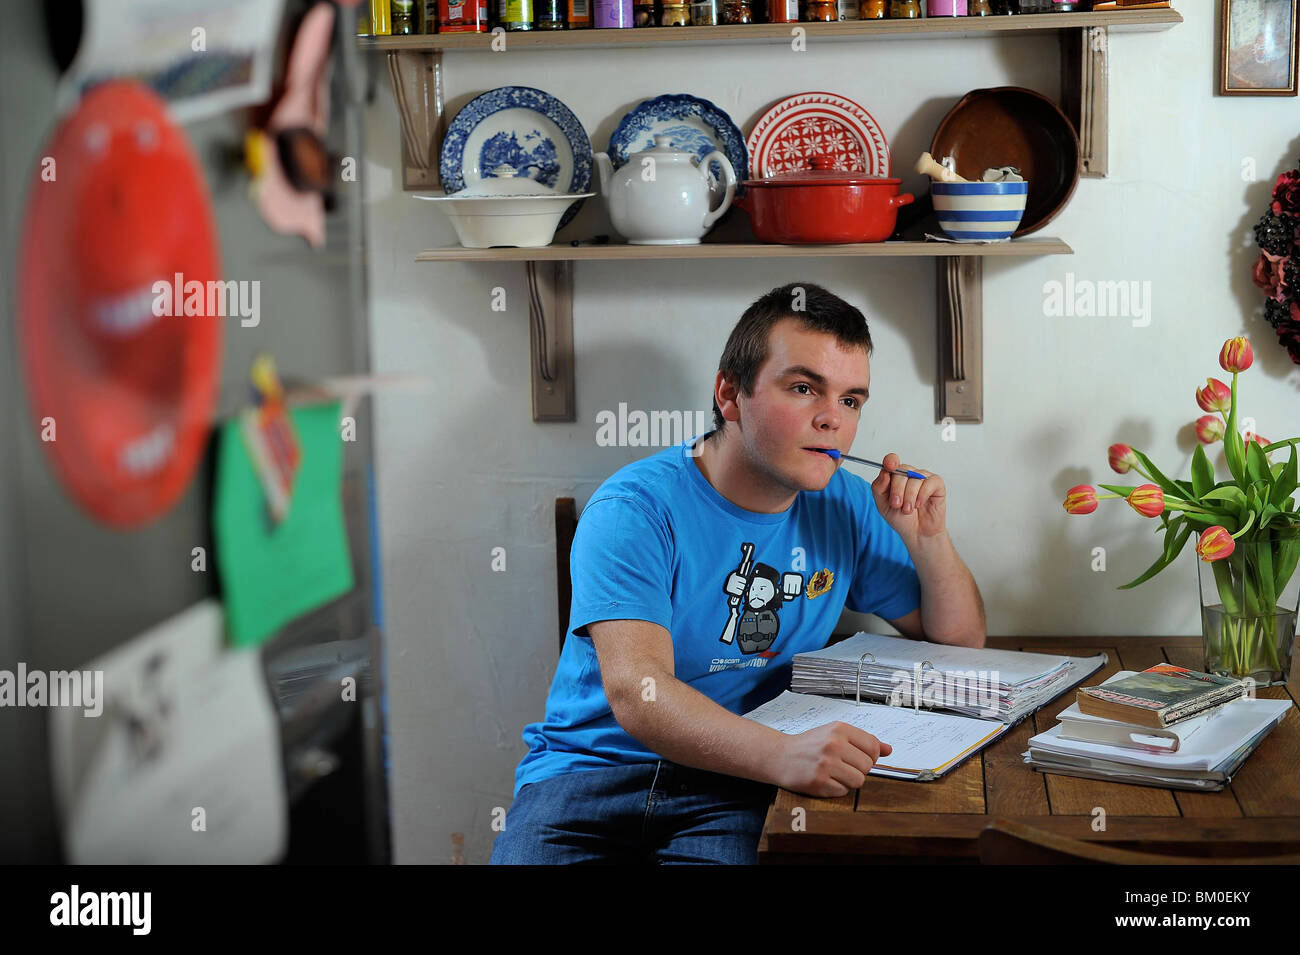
{"x":482,"y":222}
{"x":506,"y":209}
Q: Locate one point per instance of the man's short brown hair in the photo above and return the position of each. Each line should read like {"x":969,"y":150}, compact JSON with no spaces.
{"x":815,"y":309}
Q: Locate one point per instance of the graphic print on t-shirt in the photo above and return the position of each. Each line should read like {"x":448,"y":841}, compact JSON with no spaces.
{"x":755,"y":593}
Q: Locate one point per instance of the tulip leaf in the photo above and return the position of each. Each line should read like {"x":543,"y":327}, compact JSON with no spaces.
{"x":1166,"y":485}
{"x":1232,"y":446}
{"x":1284,"y":484}
{"x":1228,"y":492}
{"x":1174,"y":529}
{"x":1268,"y":514}
{"x":1288,"y":557}
{"x":1162,"y":562}
{"x":1117,"y":489}
{"x":1257,"y":464}
{"x":1202,"y":472}
{"x":1227,"y":500}
{"x":1209,"y":520}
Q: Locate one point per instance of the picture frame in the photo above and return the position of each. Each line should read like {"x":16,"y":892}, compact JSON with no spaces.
{"x":1258,"y":46}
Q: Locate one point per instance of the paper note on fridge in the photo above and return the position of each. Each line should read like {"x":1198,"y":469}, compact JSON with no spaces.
{"x":271,"y":574}
{"x":184,"y":765}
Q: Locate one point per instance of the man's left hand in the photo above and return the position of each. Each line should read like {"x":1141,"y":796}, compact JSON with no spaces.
{"x":913,"y":507}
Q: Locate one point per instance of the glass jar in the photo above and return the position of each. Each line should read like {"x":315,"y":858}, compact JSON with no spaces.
{"x":873,"y":9}
{"x":675,"y":15}
{"x":705,"y":13}
{"x":736,"y":11}
{"x":611,"y":14}
{"x":904,"y":9}
{"x":782,"y":11}
{"x":979,"y":8}
{"x":820,"y":11}
{"x":643,"y":13}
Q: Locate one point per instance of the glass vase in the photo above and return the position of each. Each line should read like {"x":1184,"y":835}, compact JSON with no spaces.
{"x":1248,"y":608}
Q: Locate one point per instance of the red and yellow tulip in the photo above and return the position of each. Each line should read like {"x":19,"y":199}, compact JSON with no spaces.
{"x":1081,"y":499}
{"x":1215,"y":544}
{"x":1147,"y":499}
{"x":1121,"y":457}
{"x":1236,"y":355}
{"x":1215,"y":396}
{"x":1209,"y":429}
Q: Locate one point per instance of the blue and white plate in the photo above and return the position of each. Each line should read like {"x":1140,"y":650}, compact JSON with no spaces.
{"x":692,"y":124}
{"x":522,"y":127}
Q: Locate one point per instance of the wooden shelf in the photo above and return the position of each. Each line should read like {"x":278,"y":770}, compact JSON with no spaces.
{"x":748,"y":250}
{"x":926,"y":28}
{"x":415,"y":68}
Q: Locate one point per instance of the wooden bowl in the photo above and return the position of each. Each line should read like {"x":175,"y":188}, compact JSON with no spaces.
{"x":1014,"y":126}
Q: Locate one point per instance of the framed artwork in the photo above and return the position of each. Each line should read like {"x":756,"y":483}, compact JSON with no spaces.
{"x":1258,"y":48}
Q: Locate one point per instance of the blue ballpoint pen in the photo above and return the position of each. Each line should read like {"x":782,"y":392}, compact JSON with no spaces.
{"x":875,"y":464}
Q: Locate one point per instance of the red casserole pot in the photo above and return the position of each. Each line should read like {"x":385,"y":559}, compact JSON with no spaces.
{"x":822,"y":205}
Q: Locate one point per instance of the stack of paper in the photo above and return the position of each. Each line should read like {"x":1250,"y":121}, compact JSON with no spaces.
{"x":1205,"y":752}
{"x":1002,"y":685}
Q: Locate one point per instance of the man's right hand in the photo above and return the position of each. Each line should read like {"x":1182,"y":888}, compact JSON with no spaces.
{"x":828,"y":761}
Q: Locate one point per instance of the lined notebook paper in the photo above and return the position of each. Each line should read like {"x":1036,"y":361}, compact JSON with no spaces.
{"x":926,"y":744}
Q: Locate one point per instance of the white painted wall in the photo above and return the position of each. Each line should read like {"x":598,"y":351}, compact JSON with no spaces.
{"x":464,"y":470}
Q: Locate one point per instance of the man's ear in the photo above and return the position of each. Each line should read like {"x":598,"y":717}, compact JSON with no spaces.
{"x":726,"y":394}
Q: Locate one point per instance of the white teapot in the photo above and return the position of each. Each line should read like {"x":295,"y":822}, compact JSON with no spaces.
{"x":662,"y":196}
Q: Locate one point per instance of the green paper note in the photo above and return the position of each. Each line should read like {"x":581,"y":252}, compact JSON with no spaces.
{"x":270,"y":576}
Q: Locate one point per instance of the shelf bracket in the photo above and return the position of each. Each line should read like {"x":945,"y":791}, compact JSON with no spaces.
{"x":1085,"y":95}
{"x":550,"y":323}
{"x":960,"y":390}
{"x":416,"y":76}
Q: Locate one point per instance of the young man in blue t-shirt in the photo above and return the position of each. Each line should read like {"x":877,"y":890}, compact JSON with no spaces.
{"x":698,"y":573}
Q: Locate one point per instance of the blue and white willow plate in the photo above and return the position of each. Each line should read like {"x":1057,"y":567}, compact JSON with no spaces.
{"x":692,"y":124}
{"x":522,"y":127}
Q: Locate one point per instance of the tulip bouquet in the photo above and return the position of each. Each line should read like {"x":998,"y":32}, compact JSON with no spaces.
{"x":1248,"y":530}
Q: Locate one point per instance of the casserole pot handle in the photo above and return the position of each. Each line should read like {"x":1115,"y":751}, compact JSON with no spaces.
{"x":905,"y":199}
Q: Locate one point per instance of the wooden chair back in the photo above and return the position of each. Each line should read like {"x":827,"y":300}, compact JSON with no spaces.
{"x":566,"y":525}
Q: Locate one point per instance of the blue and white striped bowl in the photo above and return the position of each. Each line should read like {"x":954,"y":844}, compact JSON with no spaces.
{"x":979,"y":210}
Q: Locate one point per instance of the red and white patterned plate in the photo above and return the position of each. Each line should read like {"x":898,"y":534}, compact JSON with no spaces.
{"x":811,"y":124}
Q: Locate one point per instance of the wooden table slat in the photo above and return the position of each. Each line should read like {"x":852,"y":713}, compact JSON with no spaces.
{"x":787,"y":802}
{"x":1010,"y":787}
{"x":962,"y":790}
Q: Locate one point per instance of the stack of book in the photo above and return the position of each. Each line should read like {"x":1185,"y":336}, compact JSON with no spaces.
{"x":1166,"y":726}
{"x":1003,"y":685}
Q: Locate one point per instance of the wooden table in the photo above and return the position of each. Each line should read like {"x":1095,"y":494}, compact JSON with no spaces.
{"x":898,"y":821}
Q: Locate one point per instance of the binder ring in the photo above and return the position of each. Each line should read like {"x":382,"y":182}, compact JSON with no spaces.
{"x":858,"y":689}
{"x":916,"y":687}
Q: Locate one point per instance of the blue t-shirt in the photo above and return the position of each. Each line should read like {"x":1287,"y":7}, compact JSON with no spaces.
{"x":658,"y":542}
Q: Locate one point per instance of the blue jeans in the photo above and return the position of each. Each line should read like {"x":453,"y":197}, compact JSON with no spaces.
{"x":646,"y":813}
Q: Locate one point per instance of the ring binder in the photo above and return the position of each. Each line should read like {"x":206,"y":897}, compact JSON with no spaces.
{"x":916,"y":684}
{"x":857,"y":697}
